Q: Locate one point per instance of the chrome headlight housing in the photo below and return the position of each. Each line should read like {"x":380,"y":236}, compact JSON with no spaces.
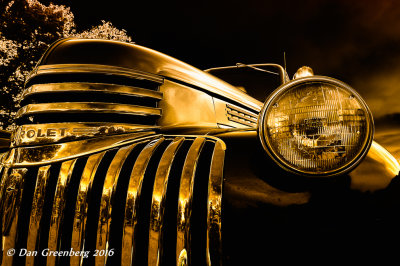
{"x":316,"y":126}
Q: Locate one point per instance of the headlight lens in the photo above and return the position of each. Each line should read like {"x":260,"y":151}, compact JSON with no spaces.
{"x":316,"y":126}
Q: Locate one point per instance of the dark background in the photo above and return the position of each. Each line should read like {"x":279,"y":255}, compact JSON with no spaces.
{"x":355,"y":41}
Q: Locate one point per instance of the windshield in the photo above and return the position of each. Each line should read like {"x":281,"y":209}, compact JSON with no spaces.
{"x":255,"y":81}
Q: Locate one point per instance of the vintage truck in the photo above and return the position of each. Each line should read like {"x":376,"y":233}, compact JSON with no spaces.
{"x":123,"y":155}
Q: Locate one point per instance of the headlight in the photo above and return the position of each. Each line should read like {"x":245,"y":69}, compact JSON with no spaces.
{"x":316,"y":126}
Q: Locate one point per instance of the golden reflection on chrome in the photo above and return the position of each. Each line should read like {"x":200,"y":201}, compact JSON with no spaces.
{"x":87,"y":107}
{"x":81,"y":207}
{"x":182,"y":258}
{"x":132,"y":200}
{"x":11,"y":201}
{"x":91,"y":87}
{"x":37,"y":134}
{"x":214,"y":205}
{"x":37,"y":211}
{"x":158,"y":200}
{"x":109,"y":187}
{"x":57,"y":214}
{"x":376,"y":171}
{"x":387,"y":159}
{"x":94,"y":68}
{"x":185,"y":199}
{"x":45,"y":154}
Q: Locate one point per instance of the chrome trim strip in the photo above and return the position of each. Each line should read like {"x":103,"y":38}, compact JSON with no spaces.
{"x":46,"y":154}
{"x":242,"y":116}
{"x":109,"y":186}
{"x":185,"y":199}
{"x":87,"y":107}
{"x":241,"y":111}
{"x":90,"y":87}
{"x":158,"y":201}
{"x":57,"y":213}
{"x":37,"y":134}
{"x":81,"y":207}
{"x":132,"y":201}
{"x":214,"y":208}
{"x":10,"y":213}
{"x":95,"y":68}
{"x":37,"y":211}
{"x":240,"y":121}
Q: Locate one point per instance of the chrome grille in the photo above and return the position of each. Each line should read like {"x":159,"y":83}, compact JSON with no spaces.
{"x":90,"y":93}
{"x":151,"y":201}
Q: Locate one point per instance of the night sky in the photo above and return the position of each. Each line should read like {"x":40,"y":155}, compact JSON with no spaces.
{"x":357,"y":42}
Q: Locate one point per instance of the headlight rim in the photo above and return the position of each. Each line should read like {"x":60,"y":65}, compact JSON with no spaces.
{"x":262,"y":127}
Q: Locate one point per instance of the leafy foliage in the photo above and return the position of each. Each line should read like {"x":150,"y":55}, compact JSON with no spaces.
{"x":27,"y":28}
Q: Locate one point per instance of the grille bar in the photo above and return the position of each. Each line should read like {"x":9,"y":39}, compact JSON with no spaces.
{"x":81,"y":207}
{"x":132,"y":200}
{"x":37,"y":211}
{"x":87,"y":107}
{"x":11,"y":203}
{"x":214,"y":248}
{"x":185,"y":199}
{"x":109,"y":186}
{"x":58,"y":208}
{"x":91,"y":87}
{"x":158,"y":200}
{"x":93,"y":68}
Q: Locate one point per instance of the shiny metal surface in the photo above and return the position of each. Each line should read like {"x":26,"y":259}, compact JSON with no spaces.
{"x":93,"y":68}
{"x":37,"y":134}
{"x":185,"y":201}
{"x":87,"y":107}
{"x":177,"y":97}
{"x":69,"y":53}
{"x":37,"y":211}
{"x":45,"y":154}
{"x":133,"y":196}
{"x":108,"y":192}
{"x":214,"y":208}
{"x":91,"y":87}
{"x":57,"y":214}
{"x":153,"y":193}
{"x":229,"y":115}
{"x":11,"y":203}
{"x":376,"y":171}
{"x":81,"y":208}
{"x":316,"y":126}
{"x":132,"y":199}
{"x":158,"y":200}
{"x":68,"y":171}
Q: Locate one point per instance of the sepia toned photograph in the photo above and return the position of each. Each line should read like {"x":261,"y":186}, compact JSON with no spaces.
{"x":199,"y":133}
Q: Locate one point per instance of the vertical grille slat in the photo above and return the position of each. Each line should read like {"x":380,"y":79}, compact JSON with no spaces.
{"x":57,"y":213}
{"x":37,"y":211}
{"x":158,"y":201}
{"x":11,"y":200}
{"x":214,"y":246}
{"x":105,"y":204}
{"x":186,"y":197}
{"x":94,"y":200}
{"x":198,"y":218}
{"x":81,"y":207}
{"x":132,"y":200}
